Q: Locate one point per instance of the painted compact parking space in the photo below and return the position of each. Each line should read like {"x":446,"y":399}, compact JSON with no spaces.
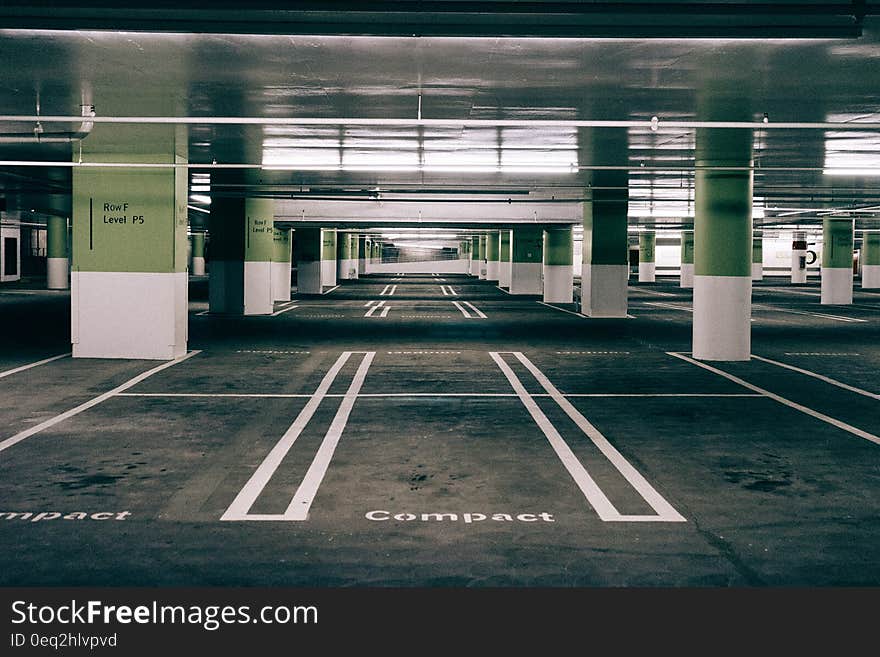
{"x":420,"y":445}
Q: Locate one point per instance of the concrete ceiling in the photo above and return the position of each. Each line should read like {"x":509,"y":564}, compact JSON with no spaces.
{"x":489,"y":92}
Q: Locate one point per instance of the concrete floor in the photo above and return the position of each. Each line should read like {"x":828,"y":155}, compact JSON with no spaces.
{"x":777,"y":481}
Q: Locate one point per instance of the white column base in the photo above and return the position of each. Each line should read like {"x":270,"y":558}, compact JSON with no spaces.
{"x":328,"y":273}
{"x":870,"y":276}
{"x":525,"y":278}
{"x":308,"y":277}
{"x":647,"y":272}
{"x":722,"y":317}
{"x":281,"y":281}
{"x":226,"y":287}
{"x":475,"y":268}
{"x":346,"y":269}
{"x":757,"y":271}
{"x":492,"y":270}
{"x":837,"y":285}
{"x":362,"y":266}
{"x":798,"y":275}
{"x":505,"y":272}
{"x":57,"y":270}
{"x":258,"y":288}
{"x":198,"y":266}
{"x":604,"y":290}
{"x":128,"y":315}
{"x":687,"y":274}
{"x":484,"y":271}
{"x":558,"y":283}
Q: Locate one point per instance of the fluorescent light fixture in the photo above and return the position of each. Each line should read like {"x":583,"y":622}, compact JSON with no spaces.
{"x":200,"y":188}
{"x":200,"y":198}
{"x":192,"y":207}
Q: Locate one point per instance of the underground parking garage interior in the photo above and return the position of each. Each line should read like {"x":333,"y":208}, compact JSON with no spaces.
{"x":443,"y":295}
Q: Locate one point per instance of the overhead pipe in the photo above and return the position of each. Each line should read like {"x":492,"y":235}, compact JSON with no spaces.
{"x":39,"y":136}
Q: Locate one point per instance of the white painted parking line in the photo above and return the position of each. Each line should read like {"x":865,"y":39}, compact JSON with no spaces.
{"x":369,"y":303}
{"x":782,"y":400}
{"x":330,"y":290}
{"x":821,"y":353}
{"x":298,"y":509}
{"x":463,"y":311}
{"x":22,"y":368}
{"x":384,"y":291}
{"x":448,"y":291}
{"x":668,"y":305}
{"x":836,"y":318}
{"x":283,"y":310}
{"x":590,"y":353}
{"x":388,"y":291}
{"x":246,"y":497}
{"x":785,"y":289}
{"x":571,"y":312}
{"x":821,"y":377}
{"x":379,"y":305}
{"x":443,"y":290}
{"x":597,"y":499}
{"x":659,"y":294}
{"x":51,"y":422}
{"x":475,"y":309}
{"x":432,"y":395}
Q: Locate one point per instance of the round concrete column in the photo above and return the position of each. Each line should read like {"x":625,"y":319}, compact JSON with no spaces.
{"x":722,"y":245}
{"x":871,"y":259}
{"x":558,"y":265}
{"x":57,"y":264}
{"x":837,"y":261}
{"x":647,"y":264}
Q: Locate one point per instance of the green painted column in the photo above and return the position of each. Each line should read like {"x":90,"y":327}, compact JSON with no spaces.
{"x":308,"y":249}
{"x":758,"y":256}
{"x":346,"y":257}
{"x":837,"y":261}
{"x":475,"y":256}
{"x":57,"y":263}
{"x":281,"y":264}
{"x":505,"y":266}
{"x":129,"y":273}
{"x":197,"y":254}
{"x":687,"y":258}
{"x":870,"y":259}
{"x":722,"y":244}
{"x":493,"y":253}
{"x":328,"y":257}
{"x":482,"y":253}
{"x":362,"y":253}
{"x":526,"y":253}
{"x":605,"y":267}
{"x":647,"y":259}
{"x":558,"y":264}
